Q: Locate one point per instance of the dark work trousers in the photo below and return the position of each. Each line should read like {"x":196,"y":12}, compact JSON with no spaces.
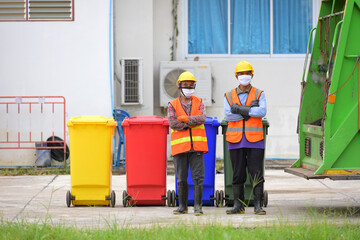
{"x":250,"y":158}
{"x":196,"y":162}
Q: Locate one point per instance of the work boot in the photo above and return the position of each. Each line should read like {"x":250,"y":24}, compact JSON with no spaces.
{"x":239,"y":198}
{"x":198,"y":192}
{"x":258,"y":195}
{"x":183,"y":191}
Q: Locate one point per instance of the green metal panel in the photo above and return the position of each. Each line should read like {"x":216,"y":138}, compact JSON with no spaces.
{"x":331,"y":128}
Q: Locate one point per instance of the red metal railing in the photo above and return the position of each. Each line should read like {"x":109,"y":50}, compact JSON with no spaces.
{"x":32,"y":106}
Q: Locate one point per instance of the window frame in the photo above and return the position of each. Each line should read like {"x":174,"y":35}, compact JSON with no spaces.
{"x":187,"y":55}
{"x":27,"y":17}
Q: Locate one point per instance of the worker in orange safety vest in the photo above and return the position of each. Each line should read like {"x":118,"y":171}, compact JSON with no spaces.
{"x":186,"y":116}
{"x":244,"y":108}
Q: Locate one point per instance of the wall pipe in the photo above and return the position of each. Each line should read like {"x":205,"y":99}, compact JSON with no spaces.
{"x":111,"y":72}
{"x":18,"y":166}
{"x":111,"y":55}
{"x":52,"y":166}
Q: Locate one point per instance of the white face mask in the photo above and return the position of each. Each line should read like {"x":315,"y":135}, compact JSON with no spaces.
{"x":187,"y":92}
{"x":244,"y":79}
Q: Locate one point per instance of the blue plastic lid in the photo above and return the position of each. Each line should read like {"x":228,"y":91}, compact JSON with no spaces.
{"x":212,"y":121}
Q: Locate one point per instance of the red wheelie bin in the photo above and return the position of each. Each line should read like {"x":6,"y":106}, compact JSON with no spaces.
{"x":145,"y":144}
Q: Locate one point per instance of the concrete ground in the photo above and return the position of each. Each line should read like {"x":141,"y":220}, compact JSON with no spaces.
{"x":291,"y":199}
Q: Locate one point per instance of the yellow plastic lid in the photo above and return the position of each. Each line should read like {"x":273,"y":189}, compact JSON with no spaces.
{"x":91,"y":120}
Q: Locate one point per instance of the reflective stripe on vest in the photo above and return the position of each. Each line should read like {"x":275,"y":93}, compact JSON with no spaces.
{"x":240,"y":129}
{"x":195,"y":127}
{"x":186,"y":139}
{"x":253,"y":127}
{"x":182,"y":140}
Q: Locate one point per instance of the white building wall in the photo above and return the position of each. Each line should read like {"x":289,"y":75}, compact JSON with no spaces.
{"x":163,"y":31}
{"x":133,"y":38}
{"x":69,"y":59}
{"x":279,"y":78}
{"x":280,"y":81}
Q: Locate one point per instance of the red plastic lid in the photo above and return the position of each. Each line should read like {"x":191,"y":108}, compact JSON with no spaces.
{"x":151,"y":120}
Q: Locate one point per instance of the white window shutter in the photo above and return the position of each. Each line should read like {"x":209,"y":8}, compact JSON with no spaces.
{"x":12,"y":10}
{"x":50,"y":9}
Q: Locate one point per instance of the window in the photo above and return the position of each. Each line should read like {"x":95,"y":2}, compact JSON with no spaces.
{"x":38,"y":10}
{"x":131,"y":81}
{"x":231,"y":27}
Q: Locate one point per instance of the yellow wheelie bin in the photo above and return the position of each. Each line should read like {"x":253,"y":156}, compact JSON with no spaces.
{"x":91,"y":165}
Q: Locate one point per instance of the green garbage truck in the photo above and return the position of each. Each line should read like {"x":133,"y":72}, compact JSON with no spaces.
{"x":329,"y":114}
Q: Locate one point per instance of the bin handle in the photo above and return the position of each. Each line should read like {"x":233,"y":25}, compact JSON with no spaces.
{"x":333,"y":46}
{"x":307,"y":53}
{"x":303,"y":79}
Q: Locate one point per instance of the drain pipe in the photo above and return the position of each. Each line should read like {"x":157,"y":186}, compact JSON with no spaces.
{"x":52,"y":166}
{"x":111,"y":55}
{"x":17,"y":166}
{"x":111,"y":74}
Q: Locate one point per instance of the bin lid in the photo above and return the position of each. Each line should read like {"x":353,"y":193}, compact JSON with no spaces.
{"x":224,"y":122}
{"x":149,"y":120}
{"x":91,"y":120}
{"x":265,"y":122}
{"x":212,"y":121}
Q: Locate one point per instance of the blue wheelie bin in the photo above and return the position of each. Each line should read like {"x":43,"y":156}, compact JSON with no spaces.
{"x":211,"y":128}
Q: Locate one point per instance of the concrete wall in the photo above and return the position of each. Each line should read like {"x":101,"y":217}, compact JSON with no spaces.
{"x":163,"y":31}
{"x":69,"y":59}
{"x":133,"y":38}
{"x":280,"y":80}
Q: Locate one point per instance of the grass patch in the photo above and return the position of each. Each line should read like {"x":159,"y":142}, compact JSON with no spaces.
{"x":282,"y":230}
{"x":18,"y":171}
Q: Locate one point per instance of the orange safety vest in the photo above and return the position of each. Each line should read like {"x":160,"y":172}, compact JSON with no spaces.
{"x":253,"y":127}
{"x":194,"y":136}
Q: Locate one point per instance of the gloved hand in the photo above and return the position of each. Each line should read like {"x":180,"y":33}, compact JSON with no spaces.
{"x":184,"y":119}
{"x":242,"y":110}
{"x":235,"y":109}
{"x":254,"y":103}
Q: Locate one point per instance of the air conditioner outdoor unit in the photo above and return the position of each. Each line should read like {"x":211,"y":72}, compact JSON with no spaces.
{"x":171,"y":70}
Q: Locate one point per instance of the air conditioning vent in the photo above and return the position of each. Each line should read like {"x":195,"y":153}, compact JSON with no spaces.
{"x":170,"y":82}
{"x":322,"y":150}
{"x":131,"y":81}
{"x":308,"y":147}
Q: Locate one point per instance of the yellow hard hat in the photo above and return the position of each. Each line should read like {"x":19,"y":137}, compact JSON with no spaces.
{"x":185,"y":76}
{"x":243,"y":66}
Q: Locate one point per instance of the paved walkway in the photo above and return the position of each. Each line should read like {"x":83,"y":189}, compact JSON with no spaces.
{"x":291,"y":199}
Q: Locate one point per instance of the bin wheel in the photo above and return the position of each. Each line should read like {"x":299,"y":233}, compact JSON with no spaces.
{"x":112,"y":199}
{"x":168,"y":198}
{"x":222,"y":198}
{"x":266,"y":198}
{"x":173,"y":198}
{"x":217,"y":198}
{"x":125,"y":199}
{"x":68,"y":198}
